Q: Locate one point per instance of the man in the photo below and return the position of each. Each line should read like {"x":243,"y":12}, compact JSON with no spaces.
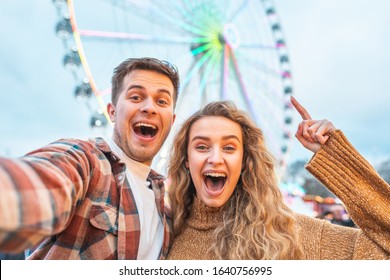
{"x":77,"y":199}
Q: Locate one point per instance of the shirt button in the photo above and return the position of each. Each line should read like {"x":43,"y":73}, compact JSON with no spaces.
{"x":120,"y":177}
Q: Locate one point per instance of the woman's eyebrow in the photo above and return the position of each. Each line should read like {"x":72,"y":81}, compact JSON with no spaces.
{"x":200,"y":137}
{"x":227,"y":137}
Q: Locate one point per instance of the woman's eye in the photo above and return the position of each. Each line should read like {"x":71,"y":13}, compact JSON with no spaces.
{"x":201,"y":148}
{"x":229,"y":148}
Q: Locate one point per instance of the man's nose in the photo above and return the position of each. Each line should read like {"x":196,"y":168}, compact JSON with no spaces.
{"x":148,"y":106}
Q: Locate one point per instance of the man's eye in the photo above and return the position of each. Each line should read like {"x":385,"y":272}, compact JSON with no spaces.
{"x":135,"y":97}
{"x":162,"y":102}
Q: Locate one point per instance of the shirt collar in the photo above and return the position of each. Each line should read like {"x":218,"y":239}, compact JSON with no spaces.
{"x":138,"y":169}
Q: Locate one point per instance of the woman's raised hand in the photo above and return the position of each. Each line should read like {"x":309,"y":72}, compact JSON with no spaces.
{"x":311,"y":133}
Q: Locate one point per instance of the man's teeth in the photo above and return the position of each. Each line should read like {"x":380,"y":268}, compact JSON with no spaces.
{"x":212,"y":174}
{"x":146,"y":125}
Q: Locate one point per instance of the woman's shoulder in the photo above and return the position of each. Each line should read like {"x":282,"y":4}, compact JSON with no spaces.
{"x":306,"y":221}
{"x":315,"y":226}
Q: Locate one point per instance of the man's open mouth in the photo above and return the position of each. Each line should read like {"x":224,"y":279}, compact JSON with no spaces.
{"x":214,"y":181}
{"x":145,"y":130}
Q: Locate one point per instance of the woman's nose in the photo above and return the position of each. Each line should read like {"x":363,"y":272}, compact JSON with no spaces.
{"x":215,"y":156}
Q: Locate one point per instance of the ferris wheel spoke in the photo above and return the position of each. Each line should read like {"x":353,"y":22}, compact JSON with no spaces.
{"x":196,"y":67}
{"x":265,"y":101}
{"x":271,"y":75}
{"x":173,"y":9}
{"x":184,"y":25}
{"x":183,"y":87}
{"x":240,"y":82}
{"x":264,"y":85}
{"x":239,"y":10}
{"x":183,"y":10}
{"x":260,"y":66}
{"x":215,"y":56}
{"x":155,"y":14}
{"x":186,"y":10}
{"x":224,"y":71}
{"x":122,"y":36}
{"x":258,"y":46}
{"x":205,"y":15}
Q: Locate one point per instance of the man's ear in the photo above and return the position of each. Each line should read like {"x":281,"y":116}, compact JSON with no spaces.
{"x":111,"y":111}
{"x":174,"y":118}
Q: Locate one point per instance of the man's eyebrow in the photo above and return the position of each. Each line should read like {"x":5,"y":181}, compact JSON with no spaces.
{"x":227,"y":137}
{"x":135,"y":86}
{"x":161,"y":90}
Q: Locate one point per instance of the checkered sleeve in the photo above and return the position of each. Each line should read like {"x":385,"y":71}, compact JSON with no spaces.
{"x":39,"y":192}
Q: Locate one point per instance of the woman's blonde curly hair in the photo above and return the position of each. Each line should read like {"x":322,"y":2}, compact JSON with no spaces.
{"x":256,"y":222}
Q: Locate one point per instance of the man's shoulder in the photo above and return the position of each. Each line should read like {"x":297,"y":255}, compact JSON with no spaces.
{"x":98,"y":142}
{"x":73,"y":145}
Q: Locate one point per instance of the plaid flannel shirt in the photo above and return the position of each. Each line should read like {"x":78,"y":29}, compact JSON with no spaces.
{"x":70,"y":200}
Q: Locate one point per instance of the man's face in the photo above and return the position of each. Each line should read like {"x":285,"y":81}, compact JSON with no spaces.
{"x":143,"y":115}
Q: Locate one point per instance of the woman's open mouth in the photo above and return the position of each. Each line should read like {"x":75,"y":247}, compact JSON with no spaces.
{"x":214,"y":182}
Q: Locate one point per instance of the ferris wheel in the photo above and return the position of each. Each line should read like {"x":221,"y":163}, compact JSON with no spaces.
{"x":225,"y":50}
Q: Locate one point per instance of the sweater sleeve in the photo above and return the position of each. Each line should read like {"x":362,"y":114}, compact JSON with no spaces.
{"x":39,"y":192}
{"x":340,"y":167}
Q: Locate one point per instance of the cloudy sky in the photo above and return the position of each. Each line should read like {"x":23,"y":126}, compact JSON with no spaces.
{"x":339,"y":51}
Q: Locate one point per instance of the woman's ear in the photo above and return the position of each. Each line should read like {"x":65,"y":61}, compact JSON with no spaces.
{"x":187,"y":165}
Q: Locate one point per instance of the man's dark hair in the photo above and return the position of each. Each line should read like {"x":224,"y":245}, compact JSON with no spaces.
{"x":145,"y":63}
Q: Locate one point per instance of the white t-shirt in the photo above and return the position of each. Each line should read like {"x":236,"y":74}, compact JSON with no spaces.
{"x":152,"y":229}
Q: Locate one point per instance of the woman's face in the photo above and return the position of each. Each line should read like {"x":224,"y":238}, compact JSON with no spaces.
{"x":215,"y":154}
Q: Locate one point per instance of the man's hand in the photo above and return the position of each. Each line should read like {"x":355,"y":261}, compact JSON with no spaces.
{"x":311,"y":133}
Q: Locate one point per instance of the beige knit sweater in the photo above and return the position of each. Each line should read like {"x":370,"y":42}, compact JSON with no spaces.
{"x":349,"y":176}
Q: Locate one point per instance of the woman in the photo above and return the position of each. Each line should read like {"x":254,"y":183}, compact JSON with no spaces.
{"x":226,"y":202}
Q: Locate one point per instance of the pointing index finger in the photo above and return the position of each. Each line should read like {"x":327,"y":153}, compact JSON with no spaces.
{"x":301,"y":110}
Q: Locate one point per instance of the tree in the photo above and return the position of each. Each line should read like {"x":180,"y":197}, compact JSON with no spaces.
{"x":313,"y":187}
{"x":297,"y":173}
{"x":296,"y":170}
{"x":384,"y":170}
